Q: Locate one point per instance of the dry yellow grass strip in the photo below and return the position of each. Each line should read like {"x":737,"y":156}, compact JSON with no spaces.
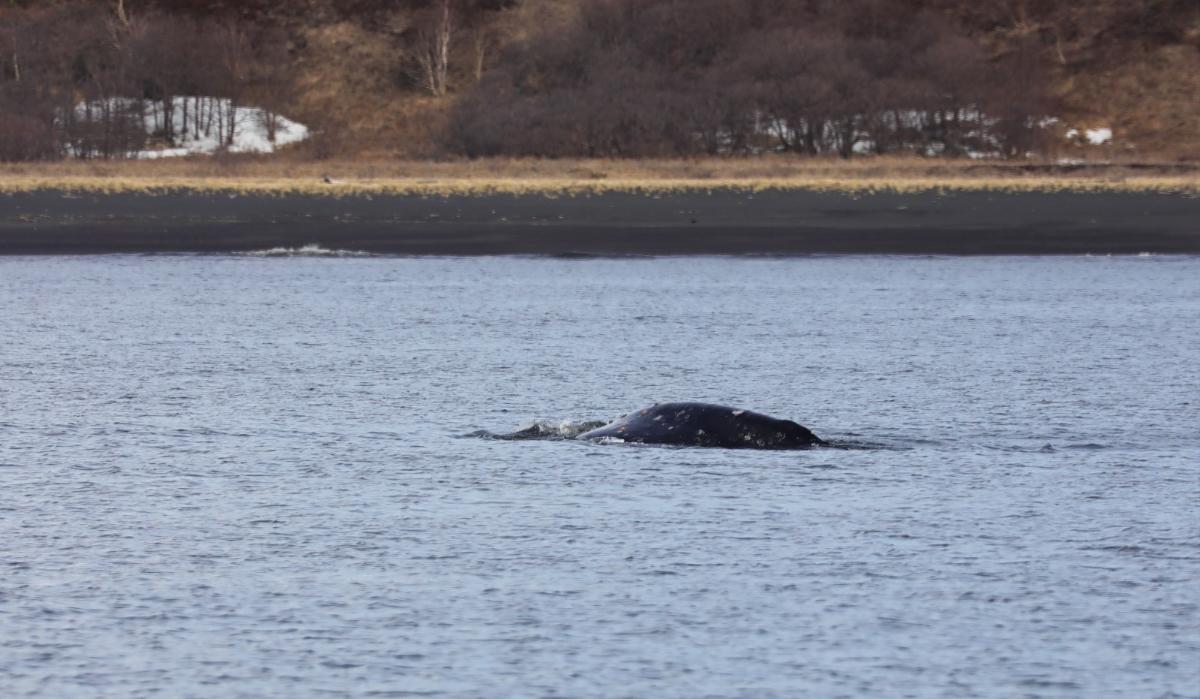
{"x":569,"y":187}
{"x":279,"y":176}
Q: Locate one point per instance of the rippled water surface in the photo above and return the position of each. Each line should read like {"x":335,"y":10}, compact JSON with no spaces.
{"x":239,"y":476}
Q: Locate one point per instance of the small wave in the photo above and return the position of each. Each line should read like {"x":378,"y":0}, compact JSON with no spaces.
{"x":860,"y":445}
{"x":304,"y":251}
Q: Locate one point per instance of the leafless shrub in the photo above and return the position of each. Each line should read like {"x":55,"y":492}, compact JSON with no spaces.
{"x":649,"y":78}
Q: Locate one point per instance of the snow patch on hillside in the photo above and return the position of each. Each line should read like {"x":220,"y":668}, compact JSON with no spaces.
{"x":1095,"y":137}
{"x":203,"y":126}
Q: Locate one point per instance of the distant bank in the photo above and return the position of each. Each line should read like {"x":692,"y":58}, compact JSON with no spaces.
{"x":670,"y":219}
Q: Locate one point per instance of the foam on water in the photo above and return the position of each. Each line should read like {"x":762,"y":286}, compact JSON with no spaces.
{"x":304,"y":251}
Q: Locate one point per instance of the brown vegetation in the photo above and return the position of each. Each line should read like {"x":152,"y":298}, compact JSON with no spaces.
{"x":84,"y":80}
{"x":610,"y":78}
{"x":646,"y":78}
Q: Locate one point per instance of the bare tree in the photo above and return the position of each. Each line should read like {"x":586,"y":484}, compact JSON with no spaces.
{"x":482,"y":40}
{"x":14,"y":50}
{"x":119,"y":10}
{"x":432,"y":50}
{"x":272,"y":81}
{"x":233,"y":47}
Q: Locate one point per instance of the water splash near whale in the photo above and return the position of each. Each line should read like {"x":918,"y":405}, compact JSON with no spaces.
{"x":543,"y":431}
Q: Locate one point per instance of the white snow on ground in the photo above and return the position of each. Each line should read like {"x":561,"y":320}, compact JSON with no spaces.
{"x":1094,"y":137}
{"x":201,"y":127}
{"x":1098,"y":137}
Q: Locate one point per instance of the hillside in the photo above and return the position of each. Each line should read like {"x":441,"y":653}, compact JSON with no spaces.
{"x":1133,"y":65}
{"x":434,"y":78}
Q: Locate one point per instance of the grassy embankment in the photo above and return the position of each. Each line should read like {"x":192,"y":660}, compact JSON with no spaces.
{"x":281,"y":175}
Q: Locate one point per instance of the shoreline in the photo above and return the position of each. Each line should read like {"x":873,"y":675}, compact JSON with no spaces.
{"x":693,"y":220}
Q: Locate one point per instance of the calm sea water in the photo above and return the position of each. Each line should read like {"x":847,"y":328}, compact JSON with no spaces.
{"x":247,"y":476}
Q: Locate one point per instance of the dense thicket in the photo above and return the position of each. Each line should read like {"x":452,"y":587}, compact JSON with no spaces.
{"x":668,"y":78}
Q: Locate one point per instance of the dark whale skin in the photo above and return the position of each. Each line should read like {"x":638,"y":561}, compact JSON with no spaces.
{"x":706,"y":425}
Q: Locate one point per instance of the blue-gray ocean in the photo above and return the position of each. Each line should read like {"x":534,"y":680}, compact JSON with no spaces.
{"x":248,"y":476}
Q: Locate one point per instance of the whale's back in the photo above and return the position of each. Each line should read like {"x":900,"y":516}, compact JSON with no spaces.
{"x":707,"y":425}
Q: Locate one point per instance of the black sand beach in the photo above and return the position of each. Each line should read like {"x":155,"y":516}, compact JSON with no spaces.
{"x":720,"y":222}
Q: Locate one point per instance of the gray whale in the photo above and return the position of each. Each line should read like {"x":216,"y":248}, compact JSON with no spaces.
{"x":705,"y":425}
